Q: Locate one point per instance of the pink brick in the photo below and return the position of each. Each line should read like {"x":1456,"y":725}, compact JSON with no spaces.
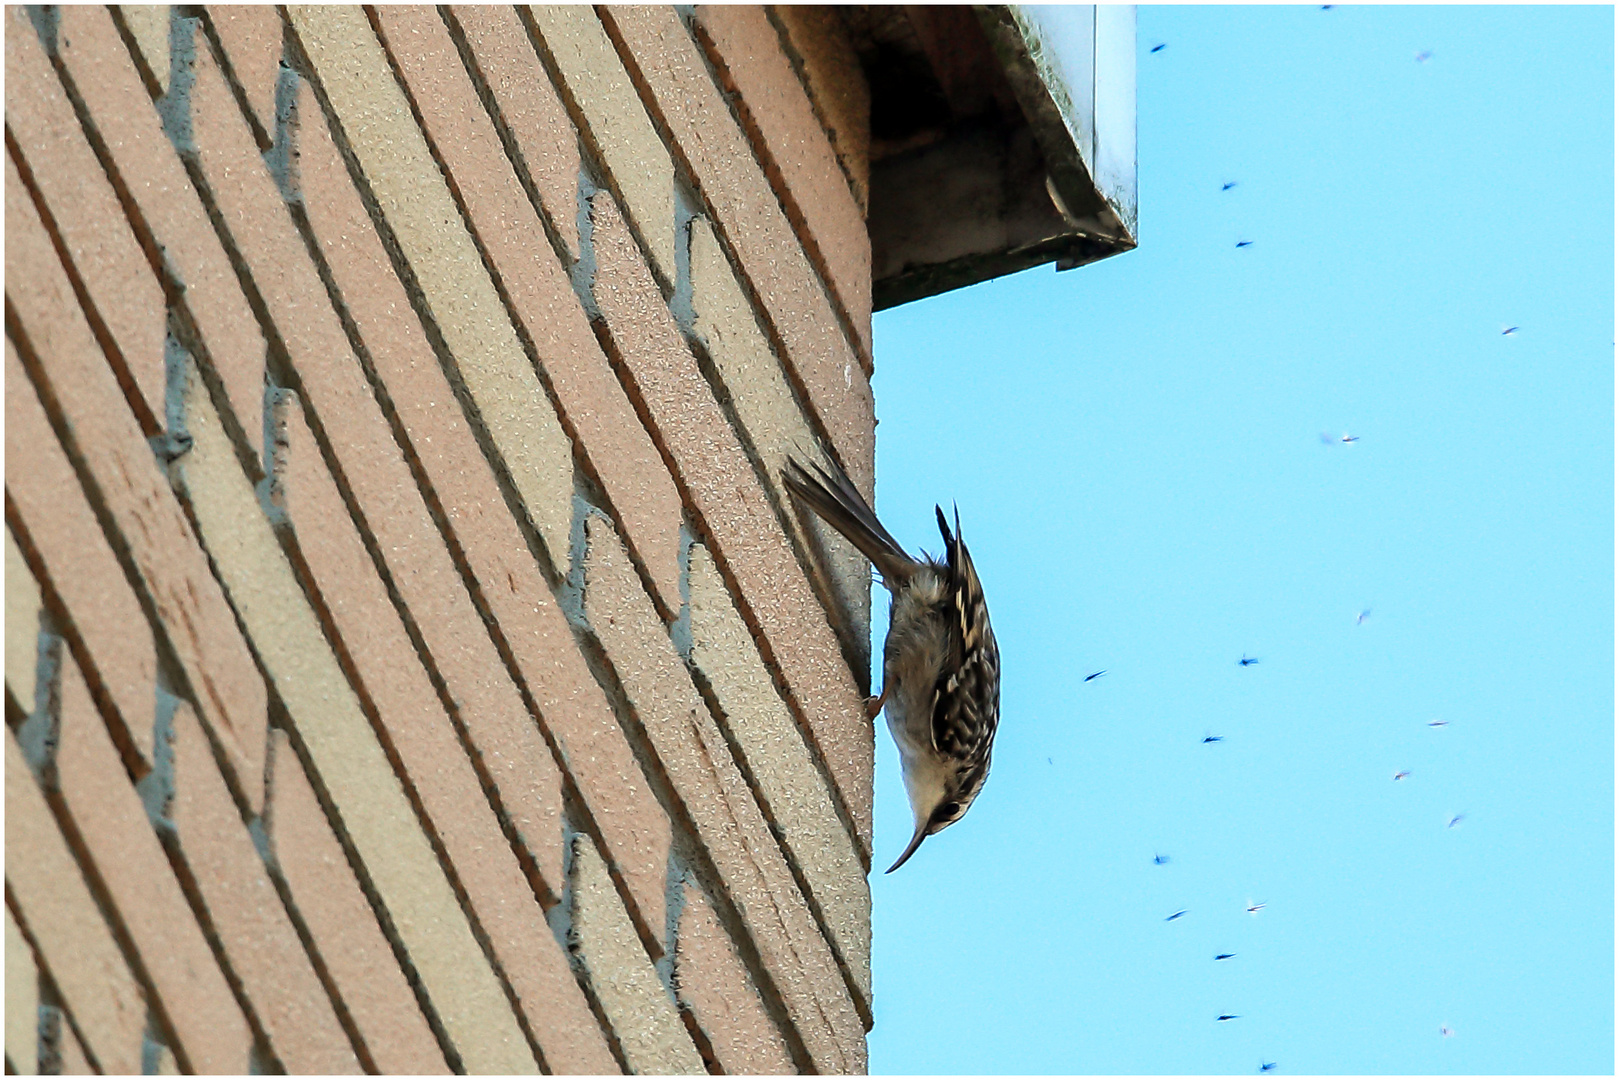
{"x":169,"y":209}
{"x":634,"y":828}
{"x":56,"y":907}
{"x":715,"y":986}
{"x":616,"y":448}
{"x":747,"y":538}
{"x":424,"y":739}
{"x":88,"y":217}
{"x":251,"y":36}
{"x":797,"y":155}
{"x":530,"y":107}
{"x":722,"y":807}
{"x":831,"y":70}
{"x":173,"y":570}
{"x":663,"y":59}
{"x":79,"y":564}
{"x":120,"y":842}
{"x":246,"y":912}
{"x":344,"y":929}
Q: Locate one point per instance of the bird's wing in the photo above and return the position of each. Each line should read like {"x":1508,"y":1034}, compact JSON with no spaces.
{"x":967,"y":695}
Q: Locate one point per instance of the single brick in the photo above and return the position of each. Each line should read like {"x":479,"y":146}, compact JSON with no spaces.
{"x":530,"y":108}
{"x":88,"y":217}
{"x":149,"y":24}
{"x":75,"y":946}
{"x":425,"y":741}
{"x":168,"y":208}
{"x":834,"y":375}
{"x":616,"y":448}
{"x":258,"y":938}
{"x":632,"y":825}
{"x":141,"y":884}
{"x":615,"y":123}
{"x":351,"y":764}
{"x":375,"y":117}
{"x":79,"y":564}
{"x":795,"y":151}
{"x":775,"y":425}
{"x":174,"y":571}
{"x":722,"y":808}
{"x":831,"y":72}
{"x":22,"y":1001}
{"x":789,"y":785}
{"x":716,"y":988}
{"x":23,"y":603}
{"x":745,"y":535}
{"x":251,"y":36}
{"x":632,"y":997}
{"x":344,"y":929}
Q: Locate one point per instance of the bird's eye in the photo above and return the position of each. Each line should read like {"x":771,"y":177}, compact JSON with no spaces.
{"x":949,"y":810}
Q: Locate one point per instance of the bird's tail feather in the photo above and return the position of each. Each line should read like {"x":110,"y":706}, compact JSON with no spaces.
{"x":833,"y":496}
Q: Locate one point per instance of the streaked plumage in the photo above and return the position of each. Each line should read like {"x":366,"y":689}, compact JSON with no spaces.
{"x":941,"y":666}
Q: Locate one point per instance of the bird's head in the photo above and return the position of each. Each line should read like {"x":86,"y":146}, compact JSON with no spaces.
{"x":939,"y":798}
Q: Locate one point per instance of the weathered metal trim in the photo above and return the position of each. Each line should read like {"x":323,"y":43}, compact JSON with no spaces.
{"x":1082,"y":113}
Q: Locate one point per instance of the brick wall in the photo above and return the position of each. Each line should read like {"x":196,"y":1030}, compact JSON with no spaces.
{"x":413,"y":662}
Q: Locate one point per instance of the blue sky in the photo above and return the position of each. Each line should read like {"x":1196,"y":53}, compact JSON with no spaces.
{"x":1135,"y":450}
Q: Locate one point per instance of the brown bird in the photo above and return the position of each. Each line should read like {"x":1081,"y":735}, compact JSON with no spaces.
{"x":941,"y":666}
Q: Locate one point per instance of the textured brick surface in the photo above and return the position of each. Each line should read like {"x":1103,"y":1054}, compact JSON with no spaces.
{"x":213,"y":1035}
{"x":795,"y":149}
{"x":344,"y":929}
{"x":79,"y":564}
{"x":188,"y":599}
{"x":22,"y":608}
{"x":615,"y":121}
{"x":74,"y":1061}
{"x":352,"y":766}
{"x":515,"y":755}
{"x":745,"y":535}
{"x":632,"y":996}
{"x":746,"y":212}
{"x":631,"y":823}
{"x":87,"y":214}
{"x":259,"y":940}
{"x":721,"y":807}
{"x":422,"y":736}
{"x":251,"y":36}
{"x":616,"y":448}
{"x":77,"y":948}
{"x":530,"y":108}
{"x":376,"y":119}
{"x":149,"y":23}
{"x":106,"y":78}
{"x":836,"y":85}
{"x":790,"y":787}
{"x":22,"y":1002}
{"x":770,"y":416}
{"x":569,"y":772}
{"x":715,"y":986}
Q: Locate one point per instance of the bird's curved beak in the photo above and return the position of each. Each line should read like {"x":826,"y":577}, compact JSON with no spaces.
{"x":916,"y":842}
